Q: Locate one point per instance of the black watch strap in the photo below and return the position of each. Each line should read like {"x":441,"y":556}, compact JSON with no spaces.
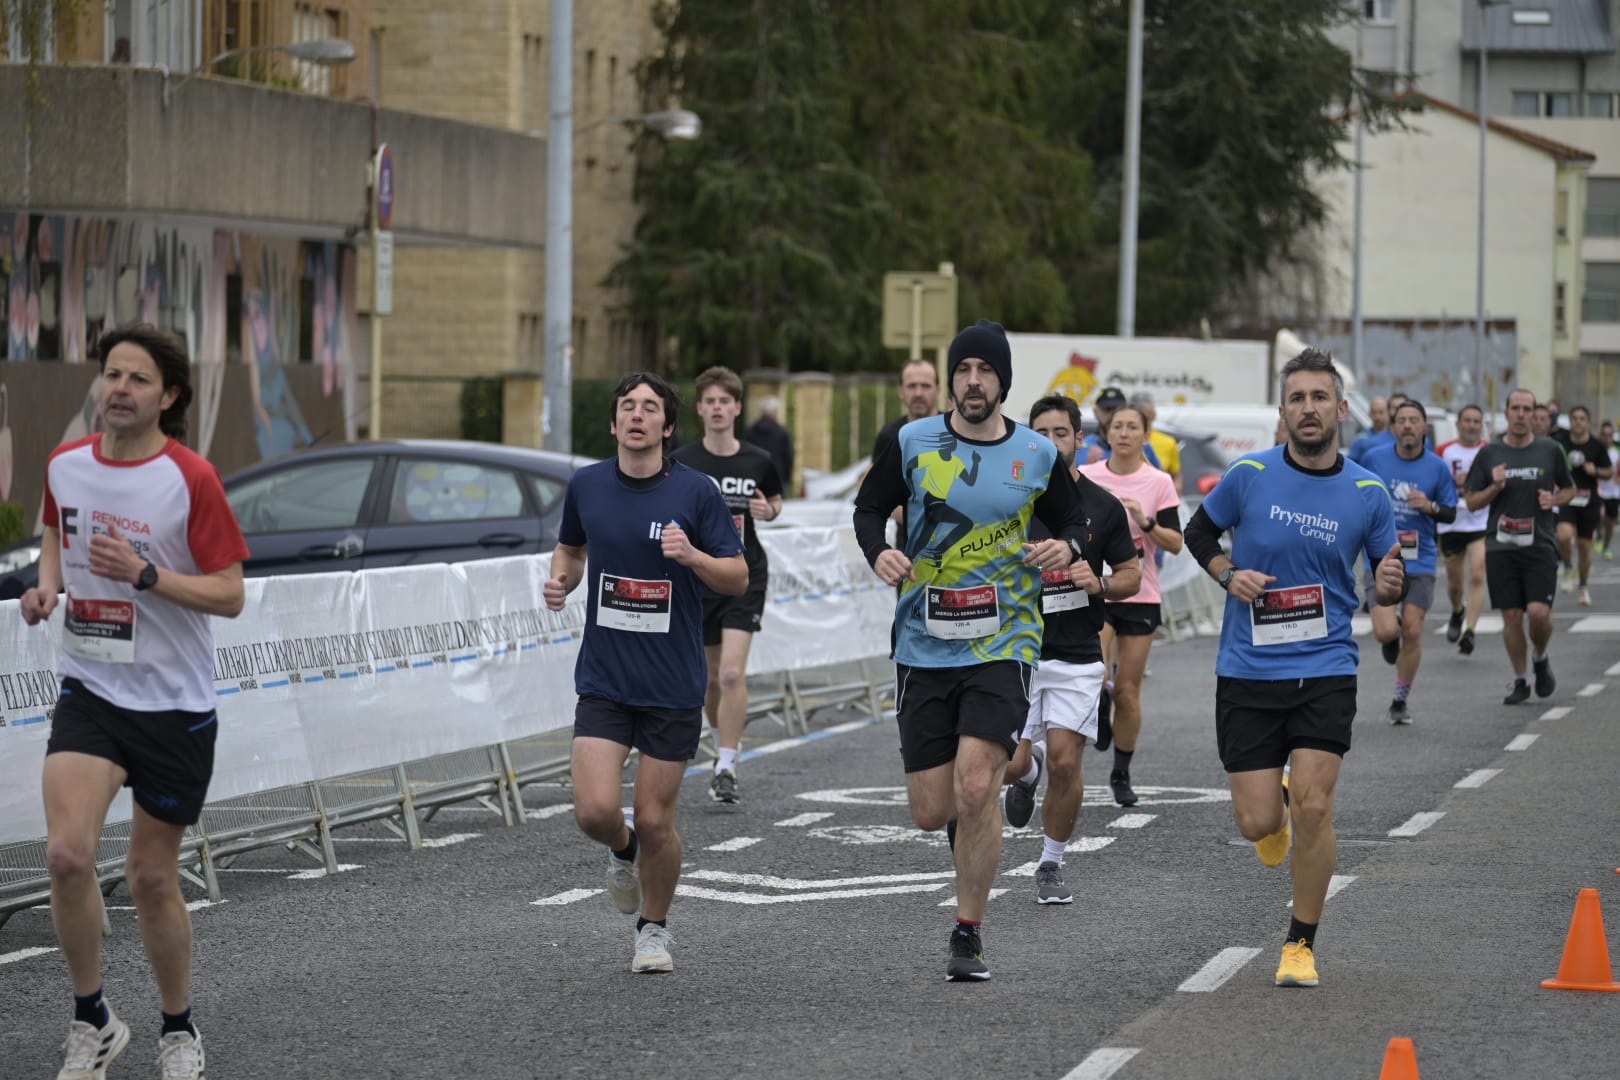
{"x":1225,"y":580}
{"x":148,"y":578}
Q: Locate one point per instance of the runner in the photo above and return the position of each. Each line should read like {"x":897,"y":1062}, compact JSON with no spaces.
{"x":1096,"y":445}
{"x":919,"y":393}
{"x":753,"y":492}
{"x":1153,"y":512}
{"x":651,"y":534}
{"x":1609,"y":490}
{"x":968,"y":623}
{"x":1064,"y":694}
{"x":1285,"y":688}
{"x":1580,"y":518}
{"x":1522,"y":477}
{"x":1422,"y":493}
{"x":138,"y":532}
{"x":1462,"y":540}
{"x":1165,"y":447}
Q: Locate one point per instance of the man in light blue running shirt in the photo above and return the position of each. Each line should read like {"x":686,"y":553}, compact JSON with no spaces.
{"x":1285,"y":688}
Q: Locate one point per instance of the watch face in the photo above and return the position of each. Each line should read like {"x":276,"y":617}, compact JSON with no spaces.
{"x":149,"y":576}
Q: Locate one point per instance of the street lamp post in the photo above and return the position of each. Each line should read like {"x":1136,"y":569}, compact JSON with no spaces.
{"x":1125,"y":318}
{"x":1479,"y":250}
{"x":326,"y":52}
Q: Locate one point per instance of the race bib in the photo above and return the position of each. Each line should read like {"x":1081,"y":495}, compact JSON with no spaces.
{"x":100,"y":630}
{"x":1580,"y":498}
{"x":1058,"y":593}
{"x":962,"y":614}
{"x":1518,"y":532}
{"x":1280,"y":616}
{"x":1577,"y":458}
{"x":1409,"y":543}
{"x":737,"y":520}
{"x":642,"y":607}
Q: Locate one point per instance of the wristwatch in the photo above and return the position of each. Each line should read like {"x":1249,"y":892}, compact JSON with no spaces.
{"x":148,"y":577}
{"x":1225,"y":580}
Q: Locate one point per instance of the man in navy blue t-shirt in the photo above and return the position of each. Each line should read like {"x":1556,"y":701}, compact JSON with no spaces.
{"x":1285,"y":687}
{"x":646,"y":534}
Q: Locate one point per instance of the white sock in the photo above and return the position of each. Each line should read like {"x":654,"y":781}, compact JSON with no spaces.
{"x":727,"y":762}
{"x":1033,"y":774}
{"x":1052,"y":850}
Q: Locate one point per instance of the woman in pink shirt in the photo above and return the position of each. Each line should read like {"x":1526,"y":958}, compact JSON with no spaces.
{"x":1149,"y":497}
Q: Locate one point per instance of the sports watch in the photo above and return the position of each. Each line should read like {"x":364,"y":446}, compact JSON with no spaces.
{"x":1225,"y":580}
{"x":148,"y":577}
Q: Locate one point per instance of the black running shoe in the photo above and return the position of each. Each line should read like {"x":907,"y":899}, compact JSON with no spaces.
{"x":1398,"y":714}
{"x":1120,"y":784}
{"x":1019,"y":801}
{"x":967,"y":957}
{"x":1454,"y":627}
{"x":1465,"y":644}
{"x":1519,"y":694}
{"x":1545,"y":683}
{"x":1105,"y":718}
{"x":1392,"y":649}
{"x":723,"y":788}
{"x":950,"y":834}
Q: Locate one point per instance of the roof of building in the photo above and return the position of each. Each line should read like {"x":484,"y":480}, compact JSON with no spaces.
{"x":1541,"y":27}
{"x":1417,"y":100}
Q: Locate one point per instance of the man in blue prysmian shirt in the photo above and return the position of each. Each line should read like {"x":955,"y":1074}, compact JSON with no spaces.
{"x":1285,"y":688}
{"x":968,"y":620}
{"x":647,"y":534}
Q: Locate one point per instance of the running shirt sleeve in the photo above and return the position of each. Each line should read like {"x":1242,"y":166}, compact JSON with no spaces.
{"x":1223,"y":504}
{"x":1109,"y":523}
{"x":1380,"y":521}
{"x":770,"y":483}
{"x":1058,"y":506}
{"x":212,"y":531}
{"x":714,"y":534}
{"x":1169,"y":518}
{"x":883,"y":489}
{"x":571,"y":531}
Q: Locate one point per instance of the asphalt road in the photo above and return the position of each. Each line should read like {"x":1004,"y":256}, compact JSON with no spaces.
{"x":812,"y":924}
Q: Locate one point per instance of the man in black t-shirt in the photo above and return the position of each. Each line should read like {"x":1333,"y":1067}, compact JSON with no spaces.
{"x":919,"y":393}
{"x":1579,"y":519}
{"x":1066,"y":688}
{"x":753,"y":492}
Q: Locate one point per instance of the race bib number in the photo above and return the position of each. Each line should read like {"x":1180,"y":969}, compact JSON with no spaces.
{"x":1281,"y":616}
{"x":1409,"y":543}
{"x":100,"y":630}
{"x":962,"y":614}
{"x":1518,"y":532}
{"x":1580,"y":498}
{"x":642,"y":607}
{"x":1058,"y":593}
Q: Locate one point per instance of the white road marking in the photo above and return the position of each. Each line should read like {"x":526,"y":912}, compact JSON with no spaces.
{"x":1522,"y":742}
{"x":896,"y":796}
{"x":788,"y":744}
{"x":369,"y":839}
{"x":24,"y":954}
{"x":1131,"y":821}
{"x":1488,"y":624}
{"x":736,"y":843}
{"x":548,"y":811}
{"x":566,"y":897}
{"x":1478,"y":778}
{"x":1597,"y":624}
{"x":766,"y":881}
{"x":1557,"y":712}
{"x":1102,"y":1063}
{"x":793,"y":898}
{"x":1078,"y":846}
{"x":1336,"y":884}
{"x":195,"y":905}
{"x":992,"y":895}
{"x":1591,"y":689}
{"x":1613,"y":670}
{"x":804,"y":819}
{"x":446,"y":841}
{"x":1417,"y":823}
{"x":320,"y":872}
{"x":1223,"y":966}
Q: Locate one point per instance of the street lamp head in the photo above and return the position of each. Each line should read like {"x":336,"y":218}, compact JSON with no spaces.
{"x":681,"y":125}
{"x":327,"y":52}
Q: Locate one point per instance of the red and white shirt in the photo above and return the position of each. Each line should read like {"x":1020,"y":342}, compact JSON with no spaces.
{"x":1460,"y":459}
{"x":130,"y":647}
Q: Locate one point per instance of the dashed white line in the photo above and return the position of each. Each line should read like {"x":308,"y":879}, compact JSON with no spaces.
{"x":446,"y":841}
{"x":792,"y":898}
{"x":1336,"y":884}
{"x":1522,"y":742}
{"x":1613,"y":670}
{"x":1591,"y":689}
{"x":320,"y":872}
{"x":1557,"y":712}
{"x":566,"y":897}
{"x":992,"y":895}
{"x":195,"y":905}
{"x":1131,"y":821}
{"x":736,"y":843}
{"x":1102,"y":1063}
{"x":548,"y":811}
{"x":1417,"y":823}
{"x":768,"y":881}
{"x":1076,"y":846}
{"x":24,"y":954}
{"x":1221,"y":967}
{"x":804,"y":819}
{"x":1478,"y":778}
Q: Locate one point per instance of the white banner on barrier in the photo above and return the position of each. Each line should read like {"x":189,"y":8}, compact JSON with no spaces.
{"x":329,"y":674}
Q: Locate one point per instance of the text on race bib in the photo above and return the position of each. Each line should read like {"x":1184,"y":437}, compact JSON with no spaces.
{"x":1409,"y":543}
{"x":1519,"y":532}
{"x":1058,"y":593}
{"x":100,"y":630}
{"x":1281,"y":616}
{"x":641,"y":607}
{"x":962,"y":614}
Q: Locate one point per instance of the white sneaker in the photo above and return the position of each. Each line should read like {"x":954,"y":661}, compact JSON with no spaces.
{"x":624,"y":883}
{"x":180,"y":1056}
{"x":89,"y":1049}
{"x":652,"y":949}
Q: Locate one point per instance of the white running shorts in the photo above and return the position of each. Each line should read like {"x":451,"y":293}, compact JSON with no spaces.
{"x":1064,"y":695}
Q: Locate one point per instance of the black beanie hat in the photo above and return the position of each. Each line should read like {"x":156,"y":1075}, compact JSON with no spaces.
{"x":986,"y":341}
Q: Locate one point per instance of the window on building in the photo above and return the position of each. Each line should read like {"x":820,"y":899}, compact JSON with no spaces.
{"x":315,"y":24}
{"x":1526,"y":103}
{"x":1600,"y":105}
{"x":1601,"y":302}
{"x":534,"y":83}
{"x":1543,"y":103}
{"x":1560,"y":105}
{"x":1602,"y":207}
{"x":17,"y":48}
{"x":1560,"y":322}
{"x":1380,"y":11}
{"x":1561,"y":216}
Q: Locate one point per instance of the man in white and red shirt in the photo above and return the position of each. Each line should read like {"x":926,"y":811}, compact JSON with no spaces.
{"x":1462,"y":541}
{"x":140,"y":537}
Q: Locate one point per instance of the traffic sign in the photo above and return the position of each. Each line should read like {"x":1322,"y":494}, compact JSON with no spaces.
{"x":919,"y":310}
{"x":383,"y":186}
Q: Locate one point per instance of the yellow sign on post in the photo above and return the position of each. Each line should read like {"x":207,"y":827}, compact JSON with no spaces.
{"x":919,"y":310}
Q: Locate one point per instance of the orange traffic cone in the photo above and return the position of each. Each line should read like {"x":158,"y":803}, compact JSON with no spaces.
{"x":1400,"y":1061}
{"x":1585,"y":965}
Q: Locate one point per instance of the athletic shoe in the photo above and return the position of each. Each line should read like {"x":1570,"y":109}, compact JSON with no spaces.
{"x":1392,"y":649}
{"x":1273,"y":849}
{"x":967,"y":957}
{"x":1518,"y":693}
{"x":1586,"y":596}
{"x":624,"y":883}
{"x":1298,"y":967}
{"x":652,"y":949}
{"x":950,"y":834}
{"x":723,"y":788}
{"x":1120,"y":784}
{"x":1019,"y":801}
{"x":1566,"y":579}
{"x":1545,"y":683}
{"x":89,"y":1049}
{"x":1105,"y":718}
{"x":1454,"y":627}
{"x":1398,"y":714}
{"x":1049,"y":887}
{"x":1465,"y":644}
{"x":180,"y":1056}
{"x":1608,"y":552}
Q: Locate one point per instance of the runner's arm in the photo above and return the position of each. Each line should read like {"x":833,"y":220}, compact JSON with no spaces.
{"x":1203,"y":538}
{"x":1126,"y":580}
{"x":50,"y":562}
{"x":220,"y":593}
{"x":1059,"y":507}
{"x":727,"y":576}
{"x":882,"y":492}
{"x":568,"y":565}
{"x":1165,"y":530}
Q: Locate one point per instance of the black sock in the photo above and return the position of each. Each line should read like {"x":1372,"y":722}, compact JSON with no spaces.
{"x":963,"y":926}
{"x":180,"y":1021}
{"x":1122,"y":760}
{"x":1304,"y":933}
{"x":629,"y":852}
{"x":651,"y":922}
{"x":90,"y":1009}
{"x":950,"y":834}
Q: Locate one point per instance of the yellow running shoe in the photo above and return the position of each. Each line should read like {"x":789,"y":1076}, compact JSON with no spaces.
{"x":1298,"y":967}
{"x":1273,"y":849}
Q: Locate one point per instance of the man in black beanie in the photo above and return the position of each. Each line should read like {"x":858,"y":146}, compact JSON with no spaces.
{"x":968,"y":619}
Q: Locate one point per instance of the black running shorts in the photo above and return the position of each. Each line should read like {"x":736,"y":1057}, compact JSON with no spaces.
{"x":1259,"y":723}
{"x":663,"y":734}
{"x":1518,"y":577}
{"x":1586,"y":519}
{"x":732,"y":612}
{"x":167,"y":757}
{"x":1130,"y":619}
{"x":1453,"y":544}
{"x":935,"y":707}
